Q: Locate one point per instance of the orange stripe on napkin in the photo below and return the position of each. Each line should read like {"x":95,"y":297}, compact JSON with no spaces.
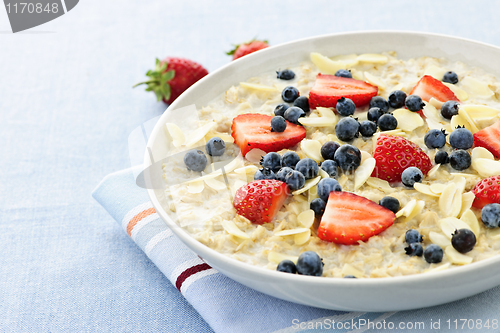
{"x":137,"y":218}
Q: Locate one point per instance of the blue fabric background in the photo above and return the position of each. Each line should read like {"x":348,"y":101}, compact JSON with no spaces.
{"x":67,"y":108}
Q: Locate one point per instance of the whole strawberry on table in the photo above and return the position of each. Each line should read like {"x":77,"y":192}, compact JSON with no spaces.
{"x":243,"y":49}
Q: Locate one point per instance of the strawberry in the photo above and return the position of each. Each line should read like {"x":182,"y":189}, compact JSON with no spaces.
{"x":260,"y":200}
{"x":429,"y":87}
{"x":328,"y":89}
{"x":489,"y":138}
{"x":253,"y":130}
{"x":172,"y":76}
{"x":243,"y":49}
{"x":393,"y":154}
{"x":350,"y":218}
{"x":487,"y":191}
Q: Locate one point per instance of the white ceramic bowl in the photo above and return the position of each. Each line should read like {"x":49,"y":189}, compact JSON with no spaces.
{"x":376,"y":294}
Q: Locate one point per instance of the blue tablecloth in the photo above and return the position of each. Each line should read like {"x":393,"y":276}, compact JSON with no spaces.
{"x":67,"y":109}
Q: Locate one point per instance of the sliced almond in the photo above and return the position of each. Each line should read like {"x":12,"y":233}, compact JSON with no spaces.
{"x":349,"y":59}
{"x":456,"y":257}
{"x":363,"y":172}
{"x":470,"y":121}
{"x":246,"y":169}
{"x":439,"y":268}
{"x":480,"y":152}
{"x":199,"y":134}
{"x":234,"y":164}
{"x":364,"y":156}
{"x":425,"y":189}
{"x":255,"y":155}
{"x":476,"y":87}
{"x":433,"y":171}
{"x":460,"y":182}
{"x":224,"y":136}
{"x":318,"y":121}
{"x":467,"y":200}
{"x":215,"y":184}
{"x":450,"y":201}
{"x":374,"y":80}
{"x":237,"y":184}
{"x":232,"y":228}
{"x":439,"y":239}
{"x":436,"y":103}
{"x":461,"y":94}
{"x":258,"y":87}
{"x":196,"y":187}
{"x":450,"y":224}
{"x":415,"y":211}
{"x":326,"y":113}
{"x":325,"y":64}
{"x":437,"y":188}
{"x":486,"y":167}
{"x":407,"y":209}
{"x":178,"y":138}
{"x":471,"y":220}
{"x":435,"y":71}
{"x":481,"y":111}
{"x":309,"y":183}
{"x":373,"y":58}
{"x":290,"y":232}
{"x":493,"y":234}
{"x":349,"y":269}
{"x":302,"y":238}
{"x":277,"y":257}
{"x":306,"y":218}
{"x":323,"y":173}
{"x":407,"y":121}
{"x":431,"y":112}
{"x":380,"y":184}
{"x":312,"y":149}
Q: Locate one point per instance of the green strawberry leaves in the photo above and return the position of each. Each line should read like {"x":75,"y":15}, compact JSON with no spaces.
{"x":158,"y":82}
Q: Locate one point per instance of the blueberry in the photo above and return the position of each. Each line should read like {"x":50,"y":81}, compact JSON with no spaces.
{"x":450,"y":77}
{"x":348,"y":158}
{"x":347,"y":129}
{"x":308,"y":167}
{"x":215,"y":146}
{"x":374,"y":114}
{"x":397,"y":99}
{"x":435,"y":138}
{"x":327,"y":185}
{"x":441,"y":157}
{"x":290,"y":94}
{"x":290,"y":159}
{"x":281,"y":175}
{"x":414,"y":249}
{"x":350,"y":277}
{"x":278,"y":124}
{"x":295,"y":180}
{"x":449,"y":109}
{"x":264,"y":173}
{"x":413,"y":236}
{"x":195,"y":160}
{"x":318,"y":206}
{"x":328,"y":150}
{"x":411,"y":175}
{"x":309,"y":263}
{"x":433,"y":254}
{"x":414,"y":103}
{"x":272,"y":161}
{"x":293,"y":113}
{"x":461,"y":138}
{"x":280,"y":109}
{"x":303,"y":103}
{"x":344,"y":73}
{"x":367,"y":128}
{"x":387,"y":122}
{"x":490,"y":215}
{"x":287,"y":266}
{"x":379,"y":102}
{"x":330,"y":167}
{"x":390,"y":203}
{"x":285,"y":74}
{"x":345,"y":107}
{"x":463,"y":240}
{"x":460,"y":160}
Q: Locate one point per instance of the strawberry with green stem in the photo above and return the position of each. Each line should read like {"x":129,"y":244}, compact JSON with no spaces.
{"x":243,"y":49}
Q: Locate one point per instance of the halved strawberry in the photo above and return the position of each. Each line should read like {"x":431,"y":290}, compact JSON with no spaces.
{"x":253,"y":130}
{"x":487,"y":191}
{"x":260,"y":200}
{"x":393,"y":154}
{"x":489,"y":138}
{"x":350,"y":218}
{"x":429,"y":87}
{"x":328,"y":89}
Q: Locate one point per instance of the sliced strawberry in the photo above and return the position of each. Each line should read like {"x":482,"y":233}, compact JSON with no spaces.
{"x":489,"y":138}
{"x":260,"y":200}
{"x":328,"y":89}
{"x":253,"y":130}
{"x":487,"y":191}
{"x":393,"y":154}
{"x":429,"y":87}
{"x":350,"y":218}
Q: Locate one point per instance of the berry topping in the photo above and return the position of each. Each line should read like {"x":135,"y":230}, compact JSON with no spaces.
{"x":290,"y":159}
{"x":252,"y":130}
{"x":285,"y":74}
{"x":486,"y":191}
{"x":367,"y":128}
{"x":328,"y":89}
{"x":281,"y":175}
{"x":441,"y":157}
{"x":272,"y":161}
{"x":393,"y":154}
{"x":309,"y":263}
{"x":243,"y":49}
{"x":450,"y":77}
{"x":461,"y":138}
{"x":302,"y":102}
{"x":292,"y":114}
{"x":287,"y":266}
{"x":411,"y":175}
{"x":195,"y":160}
{"x":460,"y":159}
{"x":328,"y":150}
{"x":449,"y":109}
{"x":397,"y":99}
{"x":413,"y":236}
{"x":414,"y":103}
{"x":433,"y":254}
{"x":215,"y":146}
{"x":264,"y":173}
{"x":330,"y":167}
{"x":490,"y":215}
{"x":489,"y":138}
{"x":379,"y":102}
{"x":290,"y":94}
{"x":387,"y":122}
{"x":374,"y":114}
{"x":435,"y":138}
{"x":318,"y":206}
{"x":344,"y":73}
{"x":348,"y":158}
{"x":260,"y":200}
{"x":327,"y":185}
{"x":295,"y":180}
{"x":429,"y":87}
{"x":390,"y":203}
{"x":350,"y":218}
{"x":280,"y":109}
{"x":308,"y":167}
{"x":345,"y":107}
{"x":347,"y":129}
{"x":463,"y":240}
{"x":414,"y":249}
{"x":278,"y":124}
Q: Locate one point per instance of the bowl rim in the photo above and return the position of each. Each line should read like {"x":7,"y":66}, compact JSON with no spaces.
{"x":198,"y":247}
